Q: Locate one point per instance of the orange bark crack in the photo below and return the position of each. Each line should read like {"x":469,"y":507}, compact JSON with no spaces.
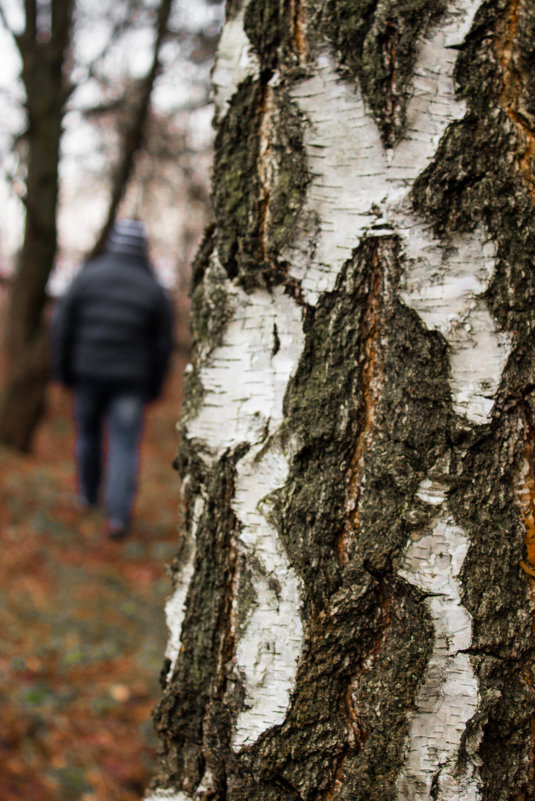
{"x":526,"y":497}
{"x":299,"y":38}
{"x":514,"y":91}
{"x":371,"y":375}
{"x":265,"y":169}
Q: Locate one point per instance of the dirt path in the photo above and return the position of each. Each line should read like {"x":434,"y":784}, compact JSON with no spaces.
{"x":82,"y":624}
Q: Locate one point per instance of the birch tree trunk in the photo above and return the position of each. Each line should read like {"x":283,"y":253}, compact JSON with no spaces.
{"x":353,"y":603}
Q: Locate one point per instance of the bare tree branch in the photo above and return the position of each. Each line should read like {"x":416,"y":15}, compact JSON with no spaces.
{"x":116,"y":31}
{"x":101,"y":109}
{"x":119,"y":104}
{"x":135,"y":131}
{"x":30,"y":30}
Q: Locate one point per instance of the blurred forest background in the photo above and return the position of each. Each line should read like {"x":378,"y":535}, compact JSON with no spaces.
{"x":105,"y":111}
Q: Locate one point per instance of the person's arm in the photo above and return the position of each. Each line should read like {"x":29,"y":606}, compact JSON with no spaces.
{"x":61,"y":337}
{"x":162,"y":345}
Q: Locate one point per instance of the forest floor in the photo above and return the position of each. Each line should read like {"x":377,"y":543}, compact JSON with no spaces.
{"x":82,"y":620}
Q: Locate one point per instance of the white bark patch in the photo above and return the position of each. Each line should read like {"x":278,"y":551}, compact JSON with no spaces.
{"x":431,"y":492}
{"x":175,"y":608}
{"x":270,"y":645}
{"x":444,"y":284}
{"x":355,"y":181}
{"x":235,"y":61}
{"x":448,"y":696}
{"x":245,"y":380}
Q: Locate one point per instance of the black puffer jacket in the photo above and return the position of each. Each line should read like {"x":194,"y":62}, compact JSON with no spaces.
{"x":113,"y":324}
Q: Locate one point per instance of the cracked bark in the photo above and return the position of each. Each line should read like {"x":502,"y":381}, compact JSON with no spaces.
{"x":364,"y":368}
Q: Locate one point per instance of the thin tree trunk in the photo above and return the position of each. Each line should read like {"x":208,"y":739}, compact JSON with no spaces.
{"x":353,"y":603}
{"x":43,"y":74}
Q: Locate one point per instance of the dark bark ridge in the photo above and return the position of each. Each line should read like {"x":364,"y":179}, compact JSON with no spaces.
{"x":279,"y":34}
{"x":358,"y":614}
{"x":235,"y":194}
{"x":377,"y":42}
{"x":256,"y":218}
{"x":496,"y":594}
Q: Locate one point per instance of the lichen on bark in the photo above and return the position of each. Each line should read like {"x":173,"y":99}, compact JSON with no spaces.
{"x":378,"y":45}
{"x":263,"y":183}
{"x":277,"y":33}
{"x":236,"y":192}
{"x":291,"y":176}
{"x":195,"y":739}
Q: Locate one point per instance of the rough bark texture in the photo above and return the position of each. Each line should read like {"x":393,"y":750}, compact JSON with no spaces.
{"x":354,"y":596}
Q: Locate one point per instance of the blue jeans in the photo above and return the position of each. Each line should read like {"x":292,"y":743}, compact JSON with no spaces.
{"x":118,"y":409}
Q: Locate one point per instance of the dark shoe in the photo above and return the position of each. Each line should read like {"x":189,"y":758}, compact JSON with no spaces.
{"x":117,"y":529}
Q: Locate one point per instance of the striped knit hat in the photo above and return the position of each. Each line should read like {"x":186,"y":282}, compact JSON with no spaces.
{"x":128,"y":236}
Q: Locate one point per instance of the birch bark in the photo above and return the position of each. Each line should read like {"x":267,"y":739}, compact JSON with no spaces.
{"x":357,"y":448}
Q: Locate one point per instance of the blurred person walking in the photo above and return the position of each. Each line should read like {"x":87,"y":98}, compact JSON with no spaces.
{"x":112,"y":336}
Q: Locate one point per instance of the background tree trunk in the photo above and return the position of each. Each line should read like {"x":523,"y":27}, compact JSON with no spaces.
{"x":43,"y":57}
{"x":354,"y":595}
